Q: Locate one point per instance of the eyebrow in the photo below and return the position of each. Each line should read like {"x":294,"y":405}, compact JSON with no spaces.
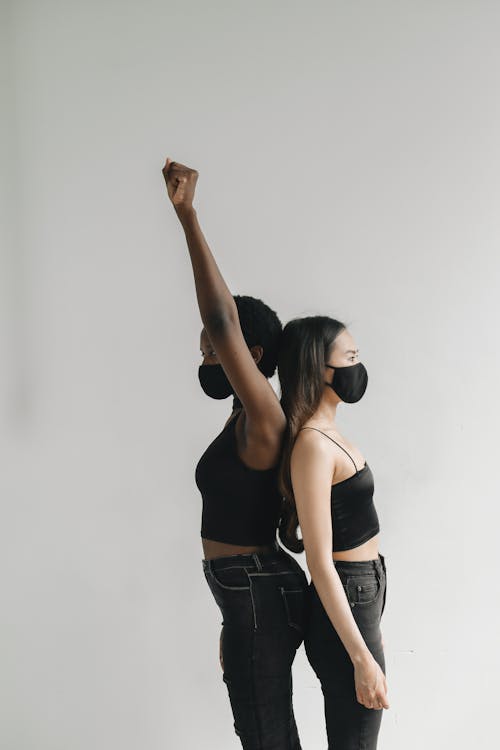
{"x":352,"y":351}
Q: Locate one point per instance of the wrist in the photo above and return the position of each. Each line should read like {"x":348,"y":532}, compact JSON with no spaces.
{"x":185,"y":213}
{"x":361,"y":656}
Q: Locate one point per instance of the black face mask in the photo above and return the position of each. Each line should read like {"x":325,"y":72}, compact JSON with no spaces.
{"x":349,"y":383}
{"x":214,"y":381}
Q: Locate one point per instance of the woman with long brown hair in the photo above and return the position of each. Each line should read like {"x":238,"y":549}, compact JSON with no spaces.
{"x":319,"y":368}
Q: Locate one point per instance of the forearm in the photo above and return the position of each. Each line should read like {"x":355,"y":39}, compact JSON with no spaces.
{"x":331,"y":592}
{"x":215,"y":301}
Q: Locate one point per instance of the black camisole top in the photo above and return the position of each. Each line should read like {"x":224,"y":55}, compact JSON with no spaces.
{"x":354,"y":516}
{"x":241,"y":505}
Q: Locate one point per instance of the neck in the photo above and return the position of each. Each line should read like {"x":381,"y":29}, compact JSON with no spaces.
{"x":326,"y":413}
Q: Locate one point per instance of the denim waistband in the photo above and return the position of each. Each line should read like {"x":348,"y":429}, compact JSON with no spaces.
{"x":361,"y":566}
{"x":246,"y":559}
{"x":259,"y":559}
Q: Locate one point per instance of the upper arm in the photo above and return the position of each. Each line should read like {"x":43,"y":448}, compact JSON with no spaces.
{"x":311,"y":468}
{"x":262,"y":406}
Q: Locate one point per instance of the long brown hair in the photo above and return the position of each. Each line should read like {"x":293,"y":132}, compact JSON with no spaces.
{"x":306,"y":345}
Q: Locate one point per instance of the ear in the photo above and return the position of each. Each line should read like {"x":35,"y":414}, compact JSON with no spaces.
{"x":257,"y":352}
{"x":329,"y":373}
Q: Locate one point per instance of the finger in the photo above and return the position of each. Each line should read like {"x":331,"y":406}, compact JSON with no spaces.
{"x":367,"y":700}
{"x":172,"y":167}
{"x":179,"y":166}
{"x":177,"y":169}
{"x":382,"y":701}
{"x":180,"y":192}
{"x":167,"y":166}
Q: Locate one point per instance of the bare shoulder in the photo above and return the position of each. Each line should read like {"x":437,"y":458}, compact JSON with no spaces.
{"x":310,"y":445}
{"x":310,"y":437}
{"x":312,"y":465}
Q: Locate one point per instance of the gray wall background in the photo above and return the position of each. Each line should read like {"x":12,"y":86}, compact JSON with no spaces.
{"x":349,"y":165}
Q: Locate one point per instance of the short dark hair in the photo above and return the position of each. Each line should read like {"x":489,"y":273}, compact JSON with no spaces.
{"x":261,"y":326}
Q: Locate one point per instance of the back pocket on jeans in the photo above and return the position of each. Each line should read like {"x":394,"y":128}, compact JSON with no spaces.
{"x":295,"y":607}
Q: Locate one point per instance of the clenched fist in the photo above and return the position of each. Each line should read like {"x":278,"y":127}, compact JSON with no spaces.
{"x":181,"y":183}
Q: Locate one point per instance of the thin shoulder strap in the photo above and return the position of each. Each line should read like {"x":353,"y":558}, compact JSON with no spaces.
{"x":333,"y":441}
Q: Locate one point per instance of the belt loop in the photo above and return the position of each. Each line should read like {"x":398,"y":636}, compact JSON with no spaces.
{"x":257,"y":561}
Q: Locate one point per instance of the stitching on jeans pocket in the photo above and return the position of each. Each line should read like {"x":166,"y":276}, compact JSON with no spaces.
{"x":264,"y":574}
{"x":294,"y":606}
{"x":364,"y":589}
{"x":226,"y":586}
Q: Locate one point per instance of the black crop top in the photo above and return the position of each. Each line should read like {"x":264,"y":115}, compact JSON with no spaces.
{"x":354,"y":514}
{"x":241,"y":505}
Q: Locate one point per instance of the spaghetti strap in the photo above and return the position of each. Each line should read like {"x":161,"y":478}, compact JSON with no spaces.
{"x":333,"y":441}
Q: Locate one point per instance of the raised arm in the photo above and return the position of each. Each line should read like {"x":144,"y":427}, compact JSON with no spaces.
{"x":265,"y":418}
{"x":312,"y":467}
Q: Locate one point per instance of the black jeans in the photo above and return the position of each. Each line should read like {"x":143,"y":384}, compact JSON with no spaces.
{"x":263,"y":600}
{"x":349,"y":724}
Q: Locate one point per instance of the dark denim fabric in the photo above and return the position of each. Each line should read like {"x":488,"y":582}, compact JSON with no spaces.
{"x":349,"y":724}
{"x":263,"y":600}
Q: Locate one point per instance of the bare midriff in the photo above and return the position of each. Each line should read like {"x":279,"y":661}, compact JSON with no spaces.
{"x":366,"y":551}
{"x":212,"y":549}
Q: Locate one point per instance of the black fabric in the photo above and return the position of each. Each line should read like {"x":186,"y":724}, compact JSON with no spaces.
{"x":263,"y":602}
{"x":240,"y":505}
{"x":354,"y":516}
{"x":349,"y":724}
{"x":214,"y":381}
{"x":349,"y":383}
{"x":237,"y":403}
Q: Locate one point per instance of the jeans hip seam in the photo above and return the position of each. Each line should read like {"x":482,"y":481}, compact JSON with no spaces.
{"x":252,"y":598}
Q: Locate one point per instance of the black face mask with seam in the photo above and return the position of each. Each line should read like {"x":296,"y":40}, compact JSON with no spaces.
{"x":349,"y":383}
{"x":214,"y":381}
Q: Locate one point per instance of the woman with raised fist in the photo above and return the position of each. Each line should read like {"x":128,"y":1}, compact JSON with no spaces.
{"x":259,"y":588}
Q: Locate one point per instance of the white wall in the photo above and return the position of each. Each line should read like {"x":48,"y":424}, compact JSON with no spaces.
{"x":349,"y":165}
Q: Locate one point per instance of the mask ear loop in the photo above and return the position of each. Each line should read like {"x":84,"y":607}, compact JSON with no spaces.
{"x":333,"y":368}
